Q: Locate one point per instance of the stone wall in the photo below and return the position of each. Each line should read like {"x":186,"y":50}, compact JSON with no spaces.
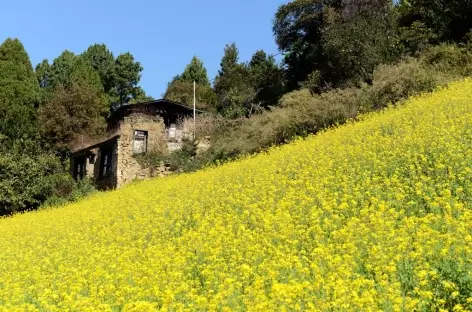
{"x":128,"y":169}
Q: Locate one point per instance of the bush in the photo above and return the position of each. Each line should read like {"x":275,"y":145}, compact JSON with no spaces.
{"x":68,"y":190}
{"x":451,"y":60}
{"x":299,"y":113}
{"x":393,"y":83}
{"x":31,"y":177}
{"x":437,"y":66}
{"x":25,"y":177}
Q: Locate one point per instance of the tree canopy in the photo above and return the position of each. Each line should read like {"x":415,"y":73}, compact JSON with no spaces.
{"x":19,"y":91}
{"x":450,"y":20}
{"x":103,"y":62}
{"x":180,"y":89}
{"x":195,"y":71}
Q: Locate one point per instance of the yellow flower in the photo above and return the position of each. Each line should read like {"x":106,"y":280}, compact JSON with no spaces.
{"x":348,"y":220}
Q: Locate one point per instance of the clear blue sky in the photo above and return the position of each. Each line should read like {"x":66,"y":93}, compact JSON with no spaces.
{"x":162,"y":35}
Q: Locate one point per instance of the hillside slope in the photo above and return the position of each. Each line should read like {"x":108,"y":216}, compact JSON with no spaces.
{"x":372,"y":215}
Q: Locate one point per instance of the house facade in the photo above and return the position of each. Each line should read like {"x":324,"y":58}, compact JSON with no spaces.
{"x":132,"y":130}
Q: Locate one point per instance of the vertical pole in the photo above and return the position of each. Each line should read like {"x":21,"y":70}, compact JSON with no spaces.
{"x":194,"y":110}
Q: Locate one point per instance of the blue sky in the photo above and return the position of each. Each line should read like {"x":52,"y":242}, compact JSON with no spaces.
{"x":162,"y":35}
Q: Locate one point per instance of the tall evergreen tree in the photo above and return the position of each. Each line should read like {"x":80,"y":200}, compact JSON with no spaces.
{"x":267,"y":78}
{"x":180,"y":89}
{"x":84,"y":75}
{"x":195,"y":71}
{"x":234,"y":89}
{"x":101,"y":59}
{"x":19,"y":91}
{"x":127,"y":74}
{"x":230,"y":59}
{"x":62,"y":67}
{"x":44,"y":74}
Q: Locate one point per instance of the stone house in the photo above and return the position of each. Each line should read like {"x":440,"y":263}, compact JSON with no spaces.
{"x":131,"y":130}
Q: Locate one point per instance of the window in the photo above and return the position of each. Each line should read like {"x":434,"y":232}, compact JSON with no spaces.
{"x":106,"y":163}
{"x":79,"y":168}
{"x":140,"y":142}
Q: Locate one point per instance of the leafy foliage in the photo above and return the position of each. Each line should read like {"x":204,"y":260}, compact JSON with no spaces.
{"x":61,"y":69}
{"x":127,"y":73}
{"x":195,"y":71}
{"x":234,"y":89}
{"x":103,"y":62}
{"x":267,"y":79}
{"x":28,"y":176}
{"x":449,"y":20}
{"x":182,"y":92}
{"x":180,"y":89}
{"x":71,"y":114}
{"x":19,"y":92}
{"x":298,"y":29}
{"x":335,"y":43}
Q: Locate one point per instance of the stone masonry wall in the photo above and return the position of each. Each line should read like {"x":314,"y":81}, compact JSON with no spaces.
{"x":128,"y":169}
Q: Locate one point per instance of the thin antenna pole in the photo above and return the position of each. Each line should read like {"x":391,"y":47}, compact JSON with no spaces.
{"x":194,"y":109}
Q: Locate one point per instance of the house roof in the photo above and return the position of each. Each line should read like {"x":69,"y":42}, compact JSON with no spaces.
{"x":161,"y":106}
{"x":98,"y":144}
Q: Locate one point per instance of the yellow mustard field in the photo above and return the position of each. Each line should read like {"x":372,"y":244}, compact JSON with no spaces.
{"x":372,"y":216}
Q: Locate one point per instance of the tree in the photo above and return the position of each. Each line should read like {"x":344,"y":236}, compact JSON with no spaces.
{"x":19,"y":91}
{"x":450,"y":20}
{"x":267,"y":77}
{"x":182,"y":91}
{"x":102,"y":61}
{"x":180,"y":88}
{"x":85,"y":76}
{"x":358,"y":38}
{"x":75,"y":110}
{"x":44,"y":74}
{"x":298,"y":29}
{"x":28,"y":176}
{"x":230,"y":59}
{"x":334,"y":43}
{"x":127,"y":73}
{"x":234,"y":89}
{"x":195,"y":71}
{"x":62,"y":67}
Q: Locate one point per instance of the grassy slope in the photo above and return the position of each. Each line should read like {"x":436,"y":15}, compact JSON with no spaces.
{"x":372,"y":215}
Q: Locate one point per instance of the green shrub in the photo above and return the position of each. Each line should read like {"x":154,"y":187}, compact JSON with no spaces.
{"x":31,"y":177}
{"x":26,"y":178}
{"x":448,"y":59}
{"x":299,"y":113}
{"x":393,"y":83}
{"x":68,"y":190}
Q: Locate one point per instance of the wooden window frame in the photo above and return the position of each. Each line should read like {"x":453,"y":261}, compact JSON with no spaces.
{"x":80,"y":162}
{"x":146,"y":137}
{"x":106,"y":168}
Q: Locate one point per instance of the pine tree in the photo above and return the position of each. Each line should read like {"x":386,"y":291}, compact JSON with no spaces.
{"x":195,"y":71}
{"x":62,"y":67}
{"x":180,"y":89}
{"x":127,"y":73}
{"x":102,"y":61}
{"x":19,"y":91}
{"x":230,"y":59}
{"x":267,"y":78}
{"x":44,"y":74}
{"x":234,"y":89}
